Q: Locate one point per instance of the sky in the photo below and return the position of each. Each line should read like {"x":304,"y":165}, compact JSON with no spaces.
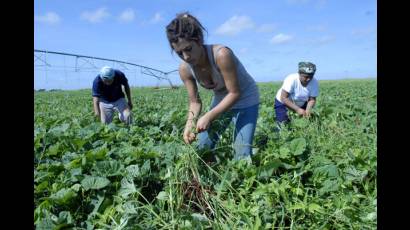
{"x":268,"y":37}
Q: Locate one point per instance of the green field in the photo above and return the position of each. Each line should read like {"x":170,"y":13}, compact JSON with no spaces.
{"x":317,"y":174}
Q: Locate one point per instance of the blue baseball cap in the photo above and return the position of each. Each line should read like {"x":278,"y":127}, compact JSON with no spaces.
{"x":107,"y":73}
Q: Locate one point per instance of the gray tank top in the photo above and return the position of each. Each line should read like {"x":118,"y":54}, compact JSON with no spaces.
{"x":247,"y":86}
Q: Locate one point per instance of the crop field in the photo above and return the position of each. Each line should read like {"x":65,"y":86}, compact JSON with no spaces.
{"x":318,"y":173}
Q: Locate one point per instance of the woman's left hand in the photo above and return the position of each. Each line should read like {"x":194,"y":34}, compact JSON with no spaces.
{"x":203,"y":123}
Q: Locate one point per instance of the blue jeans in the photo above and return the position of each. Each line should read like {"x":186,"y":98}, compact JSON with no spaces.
{"x":245,"y":124}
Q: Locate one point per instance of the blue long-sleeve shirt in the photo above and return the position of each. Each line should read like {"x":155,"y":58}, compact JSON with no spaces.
{"x":110,"y":93}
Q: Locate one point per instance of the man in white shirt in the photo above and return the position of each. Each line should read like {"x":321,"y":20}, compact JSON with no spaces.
{"x":298,"y":92}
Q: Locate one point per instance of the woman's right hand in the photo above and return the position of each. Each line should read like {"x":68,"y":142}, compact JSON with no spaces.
{"x":189,"y":136}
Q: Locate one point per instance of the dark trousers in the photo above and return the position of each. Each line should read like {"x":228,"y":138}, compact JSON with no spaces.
{"x":281,"y":111}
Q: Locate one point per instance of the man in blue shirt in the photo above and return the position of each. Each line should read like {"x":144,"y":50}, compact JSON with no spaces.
{"x":108,"y":95}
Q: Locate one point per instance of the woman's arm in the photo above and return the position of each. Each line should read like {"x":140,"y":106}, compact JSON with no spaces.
{"x":195,"y":103}
{"x":226,"y":64}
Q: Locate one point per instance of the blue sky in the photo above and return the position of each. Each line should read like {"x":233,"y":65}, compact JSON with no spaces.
{"x":269,"y":37}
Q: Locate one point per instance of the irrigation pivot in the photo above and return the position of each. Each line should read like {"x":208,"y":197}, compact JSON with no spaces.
{"x":83,"y":63}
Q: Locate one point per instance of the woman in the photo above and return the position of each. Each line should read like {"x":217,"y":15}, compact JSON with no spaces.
{"x":216,"y":68}
{"x":298,"y":92}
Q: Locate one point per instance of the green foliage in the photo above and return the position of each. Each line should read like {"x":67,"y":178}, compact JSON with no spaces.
{"x":317,"y":173}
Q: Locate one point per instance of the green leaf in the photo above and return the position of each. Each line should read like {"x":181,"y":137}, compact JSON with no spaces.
{"x":48,"y":169}
{"x":329,"y":185}
{"x":76,"y":187}
{"x":133,"y":171}
{"x":200,"y":217}
{"x":298,"y":191}
{"x":130,"y":207}
{"x":267,"y":169}
{"x":41,"y":187}
{"x":63,"y":196}
{"x":45,"y":223}
{"x":59,"y":130}
{"x":79,"y":143}
{"x":96,"y":202}
{"x":108,"y":168}
{"x":371,"y":216}
{"x":330,"y":171}
{"x":97,"y":154}
{"x":314,"y":207}
{"x":298,"y":145}
{"x":186,"y":225}
{"x":260,"y":191}
{"x":146,"y":167}
{"x":352,"y":174}
{"x":63,"y":226}
{"x":127,"y":188}
{"x":42,"y":209}
{"x":75,"y":173}
{"x":94,"y":182}
{"x":297,"y":206}
{"x":162,"y":195}
{"x":53,"y":150}
{"x":326,"y":111}
{"x":300,"y":123}
{"x":65,"y":217}
{"x":284,"y":152}
{"x":258,"y":223}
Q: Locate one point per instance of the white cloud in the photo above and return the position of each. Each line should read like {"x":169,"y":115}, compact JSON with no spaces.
{"x":127,"y":15}
{"x":157,"y":17}
{"x":95,"y":16}
{"x":281,"y":39}
{"x":266,"y":28}
{"x":235,"y":25}
{"x":49,"y":18}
